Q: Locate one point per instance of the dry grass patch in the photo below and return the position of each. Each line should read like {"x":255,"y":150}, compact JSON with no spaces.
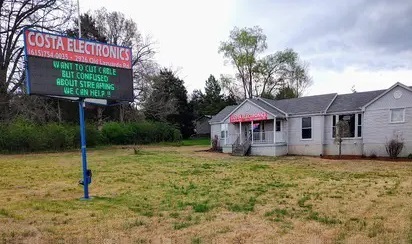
{"x":181,"y":194}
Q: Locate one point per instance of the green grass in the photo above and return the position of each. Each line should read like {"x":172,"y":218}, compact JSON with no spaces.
{"x":196,"y":142}
{"x":196,"y":196}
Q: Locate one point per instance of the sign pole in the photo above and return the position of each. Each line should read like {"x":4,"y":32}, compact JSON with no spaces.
{"x":83,"y":147}
{"x":69,"y":67}
{"x":83,"y":126}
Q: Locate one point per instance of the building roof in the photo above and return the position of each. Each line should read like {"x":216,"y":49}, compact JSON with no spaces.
{"x":353,"y":101}
{"x":329,"y":103}
{"x":303,"y":105}
{"x":267,"y":107}
{"x":222,"y":114}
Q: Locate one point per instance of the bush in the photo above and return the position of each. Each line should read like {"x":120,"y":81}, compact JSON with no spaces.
{"x":139,"y":133}
{"x":394,"y":147}
{"x":215,"y":143}
{"x":25,"y":136}
{"x":57,"y":137}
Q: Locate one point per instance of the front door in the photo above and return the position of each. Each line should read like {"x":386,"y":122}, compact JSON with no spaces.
{"x":246,"y":130}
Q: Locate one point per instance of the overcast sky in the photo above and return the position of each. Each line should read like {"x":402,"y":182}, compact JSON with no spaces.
{"x":365,"y":44}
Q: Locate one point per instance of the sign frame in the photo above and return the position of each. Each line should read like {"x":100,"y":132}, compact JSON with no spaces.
{"x":87,"y":99}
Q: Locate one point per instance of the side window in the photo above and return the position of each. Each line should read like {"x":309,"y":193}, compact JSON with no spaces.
{"x":354,"y":122}
{"x":307,"y":128}
{"x":397,"y":115}
{"x":223,"y":131}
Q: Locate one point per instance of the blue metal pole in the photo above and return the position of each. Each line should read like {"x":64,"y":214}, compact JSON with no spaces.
{"x":83,"y":147}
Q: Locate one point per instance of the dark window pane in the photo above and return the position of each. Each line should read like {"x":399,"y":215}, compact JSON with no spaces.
{"x":352,"y":125}
{"x":359,"y":131}
{"x":306,"y":133}
{"x":333,"y":132}
{"x":359,"y":119}
{"x":306,"y":122}
{"x":333,"y":120}
{"x":277,"y":125}
{"x":350,"y":118}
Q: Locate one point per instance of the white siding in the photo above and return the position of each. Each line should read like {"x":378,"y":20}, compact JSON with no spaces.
{"x":214,"y":130}
{"x":300,"y":146}
{"x":378,"y":129}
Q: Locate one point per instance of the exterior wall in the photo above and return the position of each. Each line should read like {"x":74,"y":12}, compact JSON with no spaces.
{"x":282,"y":150}
{"x":227,"y":149}
{"x":378,"y":129}
{"x":350,"y":146}
{"x":269,"y":150}
{"x":263,"y":150}
{"x":214,"y":130}
{"x":300,"y":146}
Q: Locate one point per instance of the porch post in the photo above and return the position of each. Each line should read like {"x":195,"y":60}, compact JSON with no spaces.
{"x":274,"y":130}
{"x":240,"y":132}
{"x":251,"y":129}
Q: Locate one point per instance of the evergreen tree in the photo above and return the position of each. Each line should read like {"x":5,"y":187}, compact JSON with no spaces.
{"x":212,"y":101}
{"x":285,"y":93}
{"x":168,"y":102}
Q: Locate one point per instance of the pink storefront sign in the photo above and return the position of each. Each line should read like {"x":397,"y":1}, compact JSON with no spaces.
{"x":248,"y":117}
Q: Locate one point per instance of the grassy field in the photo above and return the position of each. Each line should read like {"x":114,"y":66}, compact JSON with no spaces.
{"x":184,"y":195}
{"x":197,"y":142}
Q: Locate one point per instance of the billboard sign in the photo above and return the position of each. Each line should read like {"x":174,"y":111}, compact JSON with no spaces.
{"x":70,"y":67}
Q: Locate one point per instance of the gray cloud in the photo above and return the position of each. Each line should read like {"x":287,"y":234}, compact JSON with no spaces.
{"x":374,"y":34}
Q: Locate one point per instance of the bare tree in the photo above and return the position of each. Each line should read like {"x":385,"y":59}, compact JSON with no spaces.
{"x":342,"y":131}
{"x":51,"y":15}
{"x":119,"y":30}
{"x":34,"y":108}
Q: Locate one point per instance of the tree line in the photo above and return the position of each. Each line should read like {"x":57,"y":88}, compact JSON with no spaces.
{"x":159,"y":93}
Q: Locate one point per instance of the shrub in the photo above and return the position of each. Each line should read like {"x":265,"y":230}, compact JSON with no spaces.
{"x":410,"y":156}
{"x":25,"y":136}
{"x":139,"y":133}
{"x":373,"y":155}
{"x":215,"y":143}
{"x":56,"y":136}
{"x":394,"y":147}
{"x":116,"y":133}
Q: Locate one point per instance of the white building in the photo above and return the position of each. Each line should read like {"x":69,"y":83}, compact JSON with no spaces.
{"x":306,"y":125}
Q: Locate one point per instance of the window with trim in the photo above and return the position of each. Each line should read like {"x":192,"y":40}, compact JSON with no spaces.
{"x":277,"y":125}
{"x":397,"y":115}
{"x":223,"y":131}
{"x":307,"y":128}
{"x":354,"y":121}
